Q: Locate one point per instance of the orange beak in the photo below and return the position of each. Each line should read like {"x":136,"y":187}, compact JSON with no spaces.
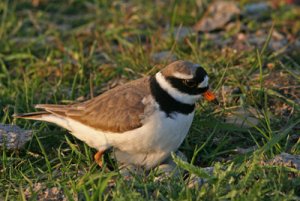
{"x":209,"y":96}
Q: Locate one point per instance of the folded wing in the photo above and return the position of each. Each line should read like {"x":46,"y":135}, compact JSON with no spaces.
{"x":117,"y":110}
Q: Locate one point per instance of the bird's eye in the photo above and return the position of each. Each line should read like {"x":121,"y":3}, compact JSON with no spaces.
{"x":190,"y":83}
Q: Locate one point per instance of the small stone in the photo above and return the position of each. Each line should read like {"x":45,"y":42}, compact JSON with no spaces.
{"x":244,"y":118}
{"x":44,"y":193}
{"x":182,"y":32}
{"x":195,"y":181}
{"x":255,"y":8}
{"x":13,"y":137}
{"x":270,"y":66}
{"x":241,"y":36}
{"x":287,"y":160}
{"x":217,"y":16}
{"x":163,"y":57}
{"x":240,"y":150}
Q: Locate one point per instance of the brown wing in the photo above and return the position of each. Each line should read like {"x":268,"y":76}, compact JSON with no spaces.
{"x":117,"y":110}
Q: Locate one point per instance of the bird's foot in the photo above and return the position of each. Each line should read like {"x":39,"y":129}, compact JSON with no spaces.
{"x":98,"y":158}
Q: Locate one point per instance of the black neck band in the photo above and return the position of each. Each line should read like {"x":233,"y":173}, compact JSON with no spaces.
{"x":166,"y":102}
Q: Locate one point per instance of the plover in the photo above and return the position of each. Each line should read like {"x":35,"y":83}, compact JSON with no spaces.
{"x":143,"y":120}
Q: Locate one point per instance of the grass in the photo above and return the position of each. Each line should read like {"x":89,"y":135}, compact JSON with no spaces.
{"x":66,"y":51}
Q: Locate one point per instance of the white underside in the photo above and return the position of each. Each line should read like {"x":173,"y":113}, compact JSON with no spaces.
{"x":145,"y":146}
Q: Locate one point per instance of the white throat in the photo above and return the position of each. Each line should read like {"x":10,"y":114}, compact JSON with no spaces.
{"x":175,"y":93}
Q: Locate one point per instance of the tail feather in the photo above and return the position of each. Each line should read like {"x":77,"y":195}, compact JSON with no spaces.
{"x":31,"y":115}
{"x":50,"y":106}
{"x":45,"y":116}
{"x":61,"y":108}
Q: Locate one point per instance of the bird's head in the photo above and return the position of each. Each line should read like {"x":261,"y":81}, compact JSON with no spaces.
{"x":185,"y":81}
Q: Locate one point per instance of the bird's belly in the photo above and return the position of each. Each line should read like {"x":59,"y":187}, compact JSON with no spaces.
{"x":147,"y":145}
{"x":153,"y":142}
{"x":158,"y":133}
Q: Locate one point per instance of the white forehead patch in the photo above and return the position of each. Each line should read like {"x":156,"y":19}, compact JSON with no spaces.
{"x":182,"y":76}
{"x":204,"y":83}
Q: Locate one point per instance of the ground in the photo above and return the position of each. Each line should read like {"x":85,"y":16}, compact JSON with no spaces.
{"x":68,"y":51}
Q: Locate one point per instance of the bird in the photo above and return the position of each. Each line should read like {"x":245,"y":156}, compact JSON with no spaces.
{"x":143,"y":120}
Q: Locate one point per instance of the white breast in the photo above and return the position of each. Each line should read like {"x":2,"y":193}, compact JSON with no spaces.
{"x":153,"y":142}
{"x":159,"y":133}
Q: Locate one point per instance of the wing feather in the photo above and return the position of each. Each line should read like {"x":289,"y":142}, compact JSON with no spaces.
{"x":117,"y":110}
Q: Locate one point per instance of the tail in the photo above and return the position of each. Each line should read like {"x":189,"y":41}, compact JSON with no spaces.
{"x":45,"y":116}
{"x":31,"y":115}
{"x":52,"y":113}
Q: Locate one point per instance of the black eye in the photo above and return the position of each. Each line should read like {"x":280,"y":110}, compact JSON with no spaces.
{"x":190,"y":83}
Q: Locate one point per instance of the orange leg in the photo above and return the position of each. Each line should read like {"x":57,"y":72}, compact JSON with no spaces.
{"x":98,"y":157}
